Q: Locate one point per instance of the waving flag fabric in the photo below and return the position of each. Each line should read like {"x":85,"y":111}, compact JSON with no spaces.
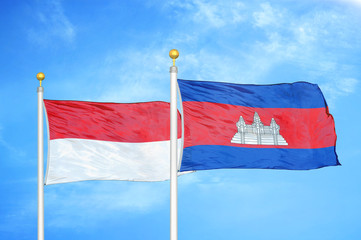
{"x":281,"y":126}
{"x":108,"y":141}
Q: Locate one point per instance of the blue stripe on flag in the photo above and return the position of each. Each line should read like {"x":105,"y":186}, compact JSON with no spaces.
{"x":286,"y":95}
{"x":203,"y":157}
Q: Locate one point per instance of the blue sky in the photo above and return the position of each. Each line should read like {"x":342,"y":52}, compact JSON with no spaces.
{"x":118,"y":51}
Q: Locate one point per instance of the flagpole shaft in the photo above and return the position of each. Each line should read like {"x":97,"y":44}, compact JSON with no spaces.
{"x":173,"y":155}
{"x":40,"y":91}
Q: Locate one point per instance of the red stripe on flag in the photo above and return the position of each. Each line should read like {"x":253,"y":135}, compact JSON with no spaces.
{"x":117,"y":122}
{"x":215,"y":124}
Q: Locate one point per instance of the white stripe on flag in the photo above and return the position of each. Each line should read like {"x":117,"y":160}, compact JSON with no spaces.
{"x":72,"y":160}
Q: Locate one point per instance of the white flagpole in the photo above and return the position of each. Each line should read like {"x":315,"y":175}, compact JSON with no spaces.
{"x":173,"y":148}
{"x":40,"y":76}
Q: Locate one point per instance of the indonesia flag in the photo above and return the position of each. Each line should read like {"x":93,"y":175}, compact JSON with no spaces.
{"x":108,"y":141}
{"x":281,"y":126}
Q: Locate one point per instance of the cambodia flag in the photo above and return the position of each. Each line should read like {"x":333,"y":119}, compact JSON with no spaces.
{"x":108,"y":141}
{"x":280,"y":126}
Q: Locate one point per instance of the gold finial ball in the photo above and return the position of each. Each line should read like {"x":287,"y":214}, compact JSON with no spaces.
{"x":173,"y":53}
{"x":40,"y":76}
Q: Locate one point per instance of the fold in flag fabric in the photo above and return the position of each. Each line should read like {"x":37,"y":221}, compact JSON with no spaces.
{"x":108,"y":141}
{"x":281,"y":126}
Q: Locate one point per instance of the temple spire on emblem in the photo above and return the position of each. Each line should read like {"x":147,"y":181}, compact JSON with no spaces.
{"x":257,"y":133}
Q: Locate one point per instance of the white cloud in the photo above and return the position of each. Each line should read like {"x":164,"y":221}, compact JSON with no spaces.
{"x":340,"y":87}
{"x":218,"y":15}
{"x":268,"y":16}
{"x":353,"y":2}
{"x":86,"y":204}
{"x":135,"y":76}
{"x":13,"y":150}
{"x":348,"y":85}
{"x":304,"y":34}
{"x":216,"y":183}
{"x":306,"y":41}
{"x":52,"y":24}
{"x":215,"y":14}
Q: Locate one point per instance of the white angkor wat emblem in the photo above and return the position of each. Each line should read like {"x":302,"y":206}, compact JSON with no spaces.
{"x":258,"y":133}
